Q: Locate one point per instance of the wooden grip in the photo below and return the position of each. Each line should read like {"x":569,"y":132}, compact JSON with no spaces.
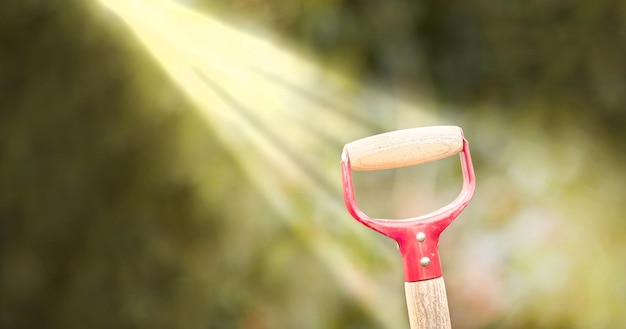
{"x":402,"y":148}
{"x":427,"y":304}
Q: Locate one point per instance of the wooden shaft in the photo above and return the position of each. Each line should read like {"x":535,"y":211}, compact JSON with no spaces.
{"x":402,"y":148}
{"x":427,"y":304}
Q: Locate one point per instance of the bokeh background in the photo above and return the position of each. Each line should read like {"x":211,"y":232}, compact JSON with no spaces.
{"x":176,"y":165}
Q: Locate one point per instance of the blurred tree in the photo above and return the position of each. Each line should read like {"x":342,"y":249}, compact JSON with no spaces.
{"x":566,"y":55}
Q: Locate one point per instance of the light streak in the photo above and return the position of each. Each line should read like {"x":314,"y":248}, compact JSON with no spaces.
{"x":284,"y":118}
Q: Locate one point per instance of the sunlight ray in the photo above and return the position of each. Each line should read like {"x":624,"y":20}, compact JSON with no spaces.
{"x":283,"y":118}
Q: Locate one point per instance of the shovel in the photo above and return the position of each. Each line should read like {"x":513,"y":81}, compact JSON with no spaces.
{"x":417,"y":237}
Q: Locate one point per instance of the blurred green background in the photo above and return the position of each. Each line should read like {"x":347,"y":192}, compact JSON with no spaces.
{"x":123,"y":204}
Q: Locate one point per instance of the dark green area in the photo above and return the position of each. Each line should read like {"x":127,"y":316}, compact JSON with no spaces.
{"x":567,"y":56}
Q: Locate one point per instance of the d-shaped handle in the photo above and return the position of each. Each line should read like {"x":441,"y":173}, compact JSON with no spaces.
{"x":402,"y":148}
{"x":417,"y":237}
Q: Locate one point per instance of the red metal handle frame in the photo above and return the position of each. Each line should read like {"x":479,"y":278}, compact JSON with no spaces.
{"x":417,"y":237}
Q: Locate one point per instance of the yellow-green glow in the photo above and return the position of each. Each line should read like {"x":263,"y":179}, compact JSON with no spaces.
{"x":284,"y":118}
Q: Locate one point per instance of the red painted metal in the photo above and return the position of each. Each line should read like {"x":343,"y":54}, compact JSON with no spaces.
{"x":404,"y":231}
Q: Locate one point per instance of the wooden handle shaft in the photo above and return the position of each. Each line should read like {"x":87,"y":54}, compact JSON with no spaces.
{"x":402,"y":148}
{"x":427,"y":304}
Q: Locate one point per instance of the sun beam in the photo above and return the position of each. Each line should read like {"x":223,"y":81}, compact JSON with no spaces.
{"x":284,"y":118}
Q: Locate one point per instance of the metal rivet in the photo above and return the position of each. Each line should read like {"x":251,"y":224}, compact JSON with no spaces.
{"x":421,"y":236}
{"x":425,"y":261}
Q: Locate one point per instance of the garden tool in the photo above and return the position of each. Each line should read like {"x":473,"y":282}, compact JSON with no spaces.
{"x":417,"y":237}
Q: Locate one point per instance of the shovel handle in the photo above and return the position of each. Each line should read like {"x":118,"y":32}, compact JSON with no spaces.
{"x":407,"y":147}
{"x":427,"y":304}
